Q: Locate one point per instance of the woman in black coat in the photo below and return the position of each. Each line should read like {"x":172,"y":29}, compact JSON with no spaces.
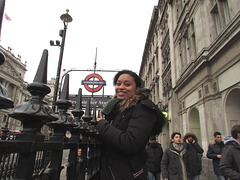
{"x":194,"y":163}
{"x":130,"y":118}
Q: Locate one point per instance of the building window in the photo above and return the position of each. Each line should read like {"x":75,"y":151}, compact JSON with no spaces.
{"x":179,"y":8}
{"x":180,"y":106}
{"x":183,"y":55}
{"x":157,"y":60}
{"x":215,"y":86}
{"x":157,"y":91}
{"x":192,"y":40}
{"x":200,"y":94}
{"x":206,"y":89}
{"x":187,"y":50}
{"x":225,"y":10}
{"x":215,"y":13}
{"x":10,"y":90}
{"x":220,"y":11}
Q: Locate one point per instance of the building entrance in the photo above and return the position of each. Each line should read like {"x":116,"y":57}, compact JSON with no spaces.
{"x":194,"y":124}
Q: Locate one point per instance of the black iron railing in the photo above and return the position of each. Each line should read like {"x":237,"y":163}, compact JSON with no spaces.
{"x":32,"y":156}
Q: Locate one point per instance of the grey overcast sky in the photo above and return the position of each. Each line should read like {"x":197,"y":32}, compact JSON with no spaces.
{"x":118,"y":29}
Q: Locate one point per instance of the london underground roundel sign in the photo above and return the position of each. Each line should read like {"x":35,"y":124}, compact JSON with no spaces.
{"x":90,"y":80}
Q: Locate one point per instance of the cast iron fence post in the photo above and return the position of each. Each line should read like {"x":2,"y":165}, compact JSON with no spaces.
{"x":75,"y":139}
{"x":33,"y":113}
{"x":60,"y":126}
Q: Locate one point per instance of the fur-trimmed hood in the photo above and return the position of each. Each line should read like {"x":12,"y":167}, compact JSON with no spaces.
{"x":230,"y":139}
{"x":129,"y":102}
{"x":114,"y":105}
{"x":187,"y":135}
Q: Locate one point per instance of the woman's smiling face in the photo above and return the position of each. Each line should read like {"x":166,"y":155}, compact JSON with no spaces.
{"x":125,"y":86}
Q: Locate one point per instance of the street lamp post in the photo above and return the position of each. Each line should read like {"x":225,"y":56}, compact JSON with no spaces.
{"x":66,"y":18}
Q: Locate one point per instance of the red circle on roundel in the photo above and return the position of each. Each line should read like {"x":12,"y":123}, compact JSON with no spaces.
{"x":98,"y":86}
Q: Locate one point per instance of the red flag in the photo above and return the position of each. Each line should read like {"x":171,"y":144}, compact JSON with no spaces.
{"x":8,"y":18}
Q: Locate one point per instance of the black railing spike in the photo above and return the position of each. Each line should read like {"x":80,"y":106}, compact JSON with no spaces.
{"x":65,"y":121}
{"x":79,"y":99}
{"x":41,"y":75}
{"x":94,"y":116}
{"x":63,"y":102}
{"x":65,"y":90}
{"x":87,"y":116}
{"x":78,"y":112}
{"x":39,"y":86}
{"x":88,"y":107}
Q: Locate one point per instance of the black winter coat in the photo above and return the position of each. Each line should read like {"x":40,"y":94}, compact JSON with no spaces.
{"x":125,"y":138}
{"x":230,"y":161}
{"x":173,"y":164}
{"x":213,"y":151}
{"x":194,"y":166}
{"x":154,"y":157}
{"x":79,"y":169}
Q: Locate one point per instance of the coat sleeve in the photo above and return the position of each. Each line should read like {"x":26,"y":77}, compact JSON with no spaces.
{"x":226,"y":162}
{"x":198,"y":147}
{"x":135,"y":137}
{"x":161,"y":154}
{"x":186,"y":145}
{"x":210,"y":153}
{"x":164,"y":165}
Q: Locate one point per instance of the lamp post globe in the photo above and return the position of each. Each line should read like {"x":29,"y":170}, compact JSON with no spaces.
{"x":66,"y":18}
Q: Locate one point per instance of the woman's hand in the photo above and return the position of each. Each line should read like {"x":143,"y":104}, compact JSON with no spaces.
{"x":100,"y":116}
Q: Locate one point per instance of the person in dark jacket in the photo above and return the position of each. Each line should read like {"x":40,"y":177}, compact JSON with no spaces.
{"x":194,"y":166}
{"x":78,"y":164}
{"x":174,"y":160}
{"x":215,"y":153}
{"x":130,"y":119}
{"x":230,"y":161}
{"x":154,"y":156}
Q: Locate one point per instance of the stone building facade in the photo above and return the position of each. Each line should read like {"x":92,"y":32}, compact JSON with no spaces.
{"x":191,"y":62}
{"x":12,"y":73}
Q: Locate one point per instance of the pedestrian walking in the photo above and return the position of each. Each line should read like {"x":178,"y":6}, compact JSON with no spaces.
{"x":130,"y":119}
{"x":194,"y":166}
{"x":173,"y":164}
{"x":78,"y":164}
{"x":230,"y":161}
{"x":154,"y":157}
{"x":215,"y":153}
